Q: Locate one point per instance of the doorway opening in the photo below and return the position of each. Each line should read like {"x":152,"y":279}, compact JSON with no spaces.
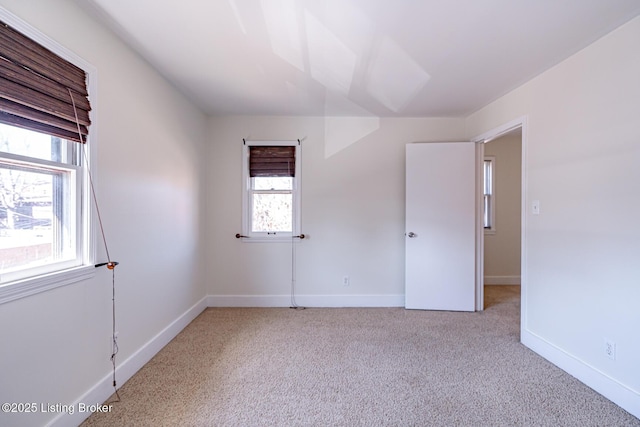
{"x":504,"y":272}
{"x":502,"y":208}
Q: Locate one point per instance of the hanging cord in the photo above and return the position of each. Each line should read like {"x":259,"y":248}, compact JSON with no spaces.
{"x":293,"y":274}
{"x":111,"y":265}
{"x":294,"y":304}
{"x":114,"y":338}
{"x":91,"y":186}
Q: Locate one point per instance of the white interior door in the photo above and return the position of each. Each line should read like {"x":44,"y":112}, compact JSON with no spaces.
{"x":441,"y":226}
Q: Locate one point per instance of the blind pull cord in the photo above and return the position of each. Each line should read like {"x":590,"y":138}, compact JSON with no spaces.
{"x":294,"y":304}
{"x":111,"y":265}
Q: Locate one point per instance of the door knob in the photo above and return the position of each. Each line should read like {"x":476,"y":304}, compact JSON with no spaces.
{"x":411,"y":234}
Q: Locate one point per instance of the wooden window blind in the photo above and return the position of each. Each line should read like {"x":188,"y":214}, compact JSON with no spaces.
{"x":36,"y":88}
{"x":272,"y":161}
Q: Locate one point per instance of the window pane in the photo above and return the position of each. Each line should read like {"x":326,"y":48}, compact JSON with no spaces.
{"x":37,"y":216}
{"x":487,"y":213}
{"x":272,"y":212}
{"x":272,"y":183}
{"x":24,"y":142}
{"x":487,"y":176}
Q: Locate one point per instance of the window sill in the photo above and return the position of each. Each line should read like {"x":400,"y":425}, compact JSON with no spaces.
{"x":270,"y":239}
{"x":34,"y":285}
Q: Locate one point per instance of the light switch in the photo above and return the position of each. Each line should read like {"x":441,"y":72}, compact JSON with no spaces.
{"x":535,"y":207}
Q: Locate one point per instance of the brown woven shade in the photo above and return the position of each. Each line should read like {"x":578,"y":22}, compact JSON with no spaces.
{"x":272,"y":161}
{"x":36,"y":87}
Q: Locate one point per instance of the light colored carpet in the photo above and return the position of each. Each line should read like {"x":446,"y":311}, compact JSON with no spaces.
{"x":357,"y":367}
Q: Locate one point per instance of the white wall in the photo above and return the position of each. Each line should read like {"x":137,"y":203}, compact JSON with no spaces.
{"x":55,"y":345}
{"x":502,"y":246}
{"x":582,"y":149}
{"x":581,"y":268}
{"x":352,"y":198}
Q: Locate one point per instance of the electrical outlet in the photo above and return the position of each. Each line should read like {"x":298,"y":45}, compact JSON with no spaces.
{"x":346,"y":281}
{"x":610,"y":349}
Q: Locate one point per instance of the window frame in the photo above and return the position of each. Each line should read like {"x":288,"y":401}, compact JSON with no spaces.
{"x":82,"y":268}
{"x":247,"y":193}
{"x":491,"y":228}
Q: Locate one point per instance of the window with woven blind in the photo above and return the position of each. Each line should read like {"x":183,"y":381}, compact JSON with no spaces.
{"x":271,"y":171}
{"x":45,"y":223}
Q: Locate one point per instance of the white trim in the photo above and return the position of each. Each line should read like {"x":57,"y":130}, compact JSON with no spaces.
{"x":325,"y":301}
{"x":620,"y":394}
{"x":246,"y":194}
{"x":501,"y":130}
{"x":34,"y":285}
{"x":479,"y":288}
{"x":523,"y":123}
{"x":101,"y":391}
{"x":275,"y":142}
{"x":501,"y":280}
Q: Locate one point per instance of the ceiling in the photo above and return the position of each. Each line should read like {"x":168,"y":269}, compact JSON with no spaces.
{"x":380,"y":58}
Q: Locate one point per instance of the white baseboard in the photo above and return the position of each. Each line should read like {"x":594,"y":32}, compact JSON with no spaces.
{"x":306,"y":300}
{"x":623,"y":396}
{"x":125,"y":370}
{"x":501,"y":280}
